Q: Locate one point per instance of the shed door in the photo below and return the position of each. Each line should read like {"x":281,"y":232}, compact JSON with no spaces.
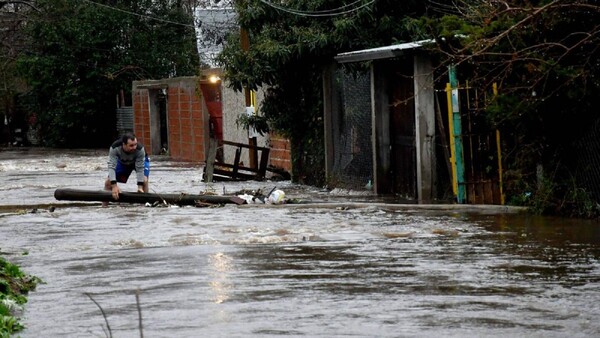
{"x":402,"y":129}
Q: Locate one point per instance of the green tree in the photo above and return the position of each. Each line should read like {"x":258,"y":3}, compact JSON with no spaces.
{"x":289,"y":45}
{"x":12,"y":38}
{"x":83,"y":53}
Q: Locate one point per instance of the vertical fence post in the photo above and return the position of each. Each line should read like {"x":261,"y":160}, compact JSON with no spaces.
{"x":451,"y":139}
{"x":499,"y":150}
{"x":457,"y":133}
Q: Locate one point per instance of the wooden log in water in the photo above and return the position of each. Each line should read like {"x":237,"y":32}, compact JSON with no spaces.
{"x":136,"y":197}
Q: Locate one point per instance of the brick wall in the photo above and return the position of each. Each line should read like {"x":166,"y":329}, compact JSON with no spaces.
{"x":187,"y":117}
{"x":280,"y":154}
{"x":141,"y":117}
{"x":188,"y":137}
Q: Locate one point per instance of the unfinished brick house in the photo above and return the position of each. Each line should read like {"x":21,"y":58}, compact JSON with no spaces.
{"x":178,"y":116}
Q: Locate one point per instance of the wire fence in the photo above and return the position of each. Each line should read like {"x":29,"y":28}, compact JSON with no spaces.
{"x":353,"y":150}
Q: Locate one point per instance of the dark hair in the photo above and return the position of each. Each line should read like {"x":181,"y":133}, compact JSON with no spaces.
{"x":128,"y":136}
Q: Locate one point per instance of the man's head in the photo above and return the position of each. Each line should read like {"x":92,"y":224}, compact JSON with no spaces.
{"x":129,"y":142}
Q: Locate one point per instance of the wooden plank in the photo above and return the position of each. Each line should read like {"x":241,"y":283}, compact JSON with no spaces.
{"x":264,"y":162}
{"x":489,"y":192}
{"x":210,"y":160}
{"x":480,"y":192}
{"x":471,"y":194}
{"x":424,"y":128}
{"x":231,"y":166}
{"x":496,"y":192}
{"x":236,"y":162}
{"x":237,"y":176}
{"x":243,"y":145}
{"x":331,"y":116}
{"x":253,"y":153}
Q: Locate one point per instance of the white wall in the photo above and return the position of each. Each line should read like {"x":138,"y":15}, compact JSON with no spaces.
{"x":234,"y":105}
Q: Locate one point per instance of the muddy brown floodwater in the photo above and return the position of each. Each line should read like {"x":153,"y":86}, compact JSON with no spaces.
{"x":365,"y":269}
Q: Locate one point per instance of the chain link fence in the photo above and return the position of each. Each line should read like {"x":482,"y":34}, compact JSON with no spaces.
{"x":353,"y":150}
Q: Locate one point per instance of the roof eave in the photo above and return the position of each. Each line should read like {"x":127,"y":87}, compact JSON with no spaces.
{"x":367,"y":56}
{"x":380,"y":52}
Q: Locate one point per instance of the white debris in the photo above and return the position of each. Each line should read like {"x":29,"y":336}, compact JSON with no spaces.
{"x":277,"y":197}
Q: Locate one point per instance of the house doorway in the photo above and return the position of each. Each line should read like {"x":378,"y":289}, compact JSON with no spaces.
{"x":402,"y":129}
{"x":158,"y":121}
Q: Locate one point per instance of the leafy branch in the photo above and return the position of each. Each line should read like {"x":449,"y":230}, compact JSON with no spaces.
{"x":258,"y":122}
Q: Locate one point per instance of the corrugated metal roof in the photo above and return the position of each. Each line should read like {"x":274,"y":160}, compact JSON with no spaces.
{"x":380,"y":52}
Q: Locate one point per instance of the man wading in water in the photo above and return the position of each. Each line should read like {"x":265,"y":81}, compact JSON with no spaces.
{"x":126,"y":155}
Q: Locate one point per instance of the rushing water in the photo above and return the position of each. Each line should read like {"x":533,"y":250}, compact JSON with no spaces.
{"x":362,"y":269}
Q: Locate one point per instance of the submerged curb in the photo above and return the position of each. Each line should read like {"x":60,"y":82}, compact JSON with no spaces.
{"x":472,"y":208}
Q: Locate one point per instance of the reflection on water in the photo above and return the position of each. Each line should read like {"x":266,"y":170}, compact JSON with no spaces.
{"x":221,"y":283}
{"x":368,"y":271}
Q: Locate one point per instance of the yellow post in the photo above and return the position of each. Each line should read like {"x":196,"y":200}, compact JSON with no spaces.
{"x":253,"y":100}
{"x":499,"y":150}
{"x":451,"y":135}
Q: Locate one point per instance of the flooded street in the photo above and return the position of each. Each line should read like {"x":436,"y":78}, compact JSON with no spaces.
{"x":316,"y":270}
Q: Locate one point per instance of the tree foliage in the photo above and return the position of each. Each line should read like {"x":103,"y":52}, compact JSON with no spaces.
{"x":545,"y":58}
{"x":12,"y":40}
{"x":83,"y":53}
{"x":537,"y":51}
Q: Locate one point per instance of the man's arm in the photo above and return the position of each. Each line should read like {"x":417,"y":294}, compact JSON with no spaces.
{"x":112,"y":174}
{"x":139,"y":168}
{"x":112,"y":165}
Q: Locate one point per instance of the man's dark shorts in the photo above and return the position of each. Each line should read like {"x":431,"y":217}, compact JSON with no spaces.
{"x":124,"y":171}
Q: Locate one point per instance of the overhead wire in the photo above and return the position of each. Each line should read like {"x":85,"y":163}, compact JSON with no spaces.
{"x":323,"y":13}
{"x":138,"y":14}
{"x":330,"y":10}
{"x":342,"y":10}
{"x":204,"y":22}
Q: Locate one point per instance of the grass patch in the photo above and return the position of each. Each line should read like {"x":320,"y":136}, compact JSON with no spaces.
{"x":14,"y":286}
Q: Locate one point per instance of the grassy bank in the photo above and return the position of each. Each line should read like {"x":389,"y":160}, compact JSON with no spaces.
{"x":14,"y":286}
